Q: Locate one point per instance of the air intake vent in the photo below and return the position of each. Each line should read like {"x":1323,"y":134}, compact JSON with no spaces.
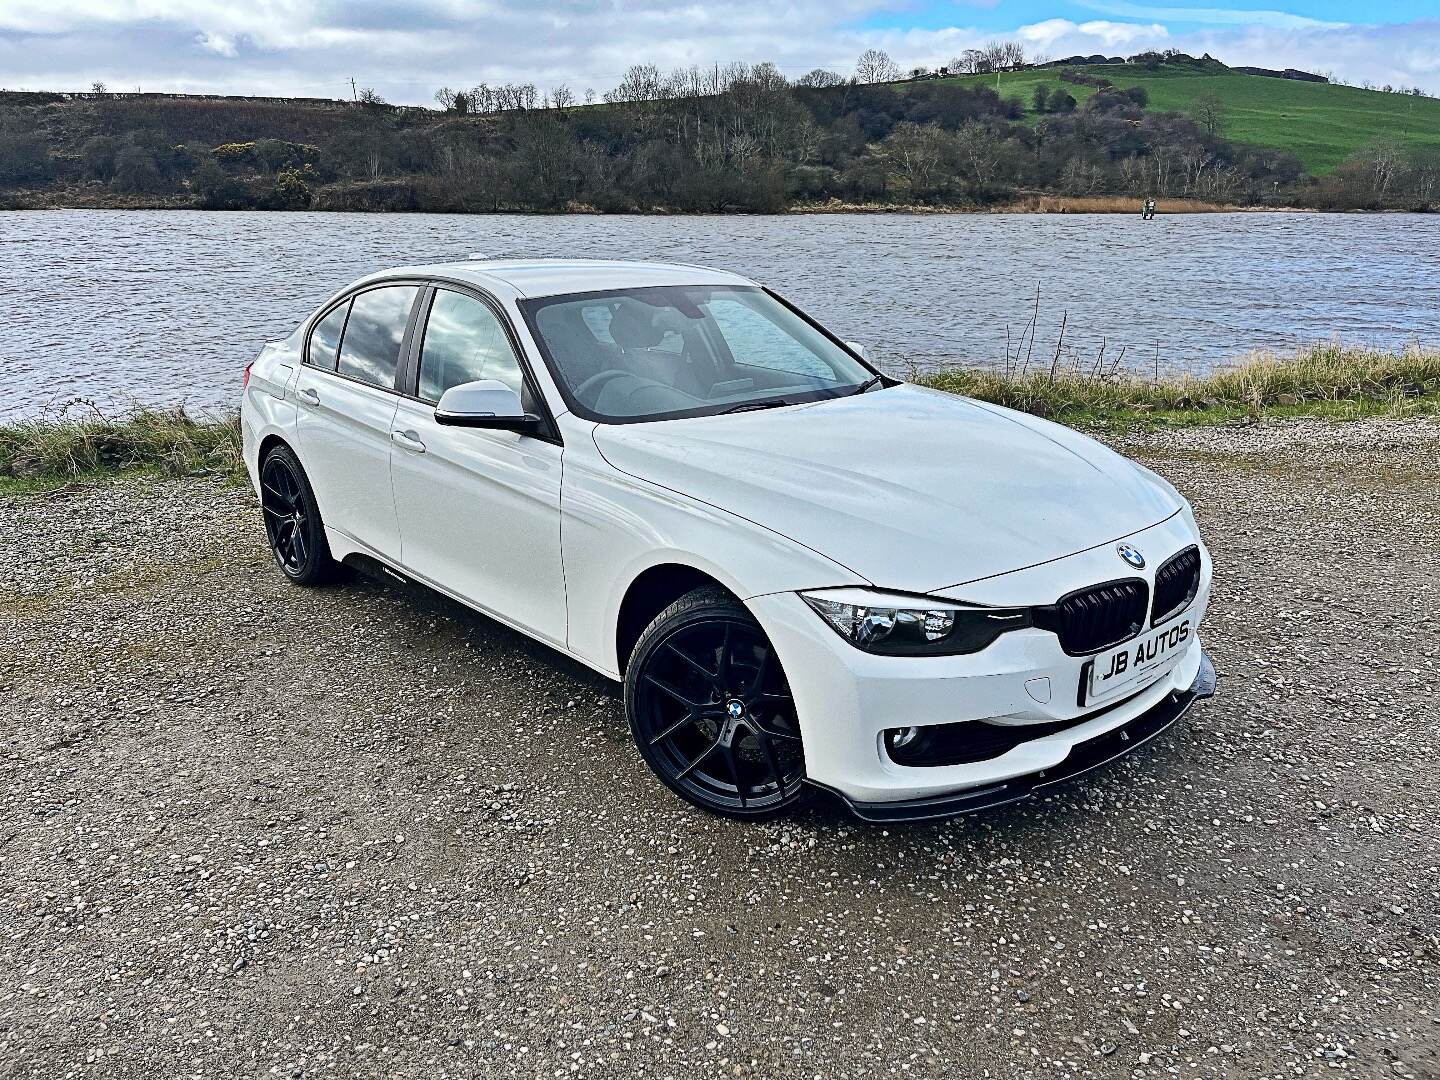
{"x":1176,"y":583}
{"x":1092,"y":619}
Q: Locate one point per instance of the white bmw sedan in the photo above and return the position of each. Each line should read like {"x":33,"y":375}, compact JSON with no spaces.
{"x":808,"y":575}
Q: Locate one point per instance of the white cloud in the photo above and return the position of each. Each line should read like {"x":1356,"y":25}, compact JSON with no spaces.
{"x":216,"y":43}
{"x":406,"y":48}
{"x":1211,"y":16}
{"x":1053,"y":36}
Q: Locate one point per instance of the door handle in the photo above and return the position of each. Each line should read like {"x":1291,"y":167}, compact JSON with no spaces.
{"x":409,"y":440}
{"x":308,"y":396}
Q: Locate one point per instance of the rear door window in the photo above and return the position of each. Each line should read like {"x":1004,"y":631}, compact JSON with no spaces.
{"x":325,"y":338}
{"x":370,"y":351}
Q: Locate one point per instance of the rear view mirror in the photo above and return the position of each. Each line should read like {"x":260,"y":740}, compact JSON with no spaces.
{"x":487,"y":403}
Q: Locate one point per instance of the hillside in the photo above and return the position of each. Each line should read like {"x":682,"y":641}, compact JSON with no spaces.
{"x":1102,"y":136}
{"x":1320,"y":123}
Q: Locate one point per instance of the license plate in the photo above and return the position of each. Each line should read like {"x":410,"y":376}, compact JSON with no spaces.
{"x":1129,"y":665}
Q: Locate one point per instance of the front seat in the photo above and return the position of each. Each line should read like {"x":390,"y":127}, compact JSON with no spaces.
{"x":574,"y":346}
{"x":638,"y":328}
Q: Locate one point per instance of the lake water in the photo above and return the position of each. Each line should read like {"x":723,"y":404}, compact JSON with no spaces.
{"x":168,"y":306}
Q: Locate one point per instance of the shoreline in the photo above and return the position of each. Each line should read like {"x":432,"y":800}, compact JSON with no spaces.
{"x":1324,"y":383}
{"x":1024,"y":204}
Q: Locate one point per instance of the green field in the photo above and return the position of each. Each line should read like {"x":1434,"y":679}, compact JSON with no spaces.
{"x":1317,"y":122}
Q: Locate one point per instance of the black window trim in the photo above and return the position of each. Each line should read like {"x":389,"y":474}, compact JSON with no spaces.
{"x":530,"y":306}
{"x":394,"y":387}
{"x":408,"y":379}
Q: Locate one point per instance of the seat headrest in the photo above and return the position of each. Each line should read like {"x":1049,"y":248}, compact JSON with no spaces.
{"x":632,"y":326}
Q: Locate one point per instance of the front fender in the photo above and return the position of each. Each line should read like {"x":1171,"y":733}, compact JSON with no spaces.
{"x":616,"y":527}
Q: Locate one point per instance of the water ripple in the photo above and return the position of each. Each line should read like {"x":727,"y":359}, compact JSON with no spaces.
{"x":167,"y":306}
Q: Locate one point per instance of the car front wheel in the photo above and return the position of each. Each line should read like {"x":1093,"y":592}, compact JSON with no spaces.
{"x":711,"y":710}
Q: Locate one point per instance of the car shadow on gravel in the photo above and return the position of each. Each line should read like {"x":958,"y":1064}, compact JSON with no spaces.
{"x":823,"y":813}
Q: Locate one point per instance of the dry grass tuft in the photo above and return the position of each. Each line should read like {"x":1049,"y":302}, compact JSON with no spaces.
{"x":168,"y":441}
{"x":1328,"y":380}
{"x":1372,"y":381}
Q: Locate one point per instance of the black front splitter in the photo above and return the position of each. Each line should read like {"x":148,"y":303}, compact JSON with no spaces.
{"x":1090,"y":754}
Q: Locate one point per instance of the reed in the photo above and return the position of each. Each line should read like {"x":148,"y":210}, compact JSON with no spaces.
{"x":81,"y":441}
{"x":1326,"y":379}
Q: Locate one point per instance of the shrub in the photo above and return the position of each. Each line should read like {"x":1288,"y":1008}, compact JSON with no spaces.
{"x":135,"y":171}
{"x":291,"y":190}
{"x":218,"y":190}
{"x":25,"y":159}
{"x":98,"y":156}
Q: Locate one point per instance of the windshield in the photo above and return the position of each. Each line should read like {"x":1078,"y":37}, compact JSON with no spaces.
{"x":686,"y":350}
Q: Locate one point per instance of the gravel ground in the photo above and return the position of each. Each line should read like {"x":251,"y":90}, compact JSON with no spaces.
{"x":251,"y":830}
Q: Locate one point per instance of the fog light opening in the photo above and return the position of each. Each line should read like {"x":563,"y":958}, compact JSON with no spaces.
{"x":901,"y":737}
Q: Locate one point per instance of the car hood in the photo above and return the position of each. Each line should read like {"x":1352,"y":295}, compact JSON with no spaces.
{"x":911,"y":489}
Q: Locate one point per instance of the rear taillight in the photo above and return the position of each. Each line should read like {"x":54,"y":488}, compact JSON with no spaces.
{"x":245,"y":378}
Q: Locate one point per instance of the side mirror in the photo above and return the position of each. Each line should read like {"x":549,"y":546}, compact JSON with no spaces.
{"x":856,"y":348}
{"x":487,"y":403}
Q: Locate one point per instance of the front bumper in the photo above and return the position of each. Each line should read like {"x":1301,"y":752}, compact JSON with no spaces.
{"x":1083,"y":757}
{"x":846,"y":698}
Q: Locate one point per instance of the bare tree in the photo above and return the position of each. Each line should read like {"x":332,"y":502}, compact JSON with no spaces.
{"x":589,"y":96}
{"x":456,"y":101}
{"x":970,"y":62}
{"x":515,"y":97}
{"x":562,"y":97}
{"x":921,"y":154}
{"x":1209,"y":112}
{"x":642,"y":82}
{"x":979,"y":150}
{"x":1002,"y":56}
{"x":98,"y":88}
{"x":875,"y":66}
{"x":819,"y":77}
{"x":369,"y":96}
{"x":1386,"y":161}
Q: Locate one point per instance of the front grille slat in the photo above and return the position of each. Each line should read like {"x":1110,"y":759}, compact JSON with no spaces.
{"x":1092,"y":619}
{"x":1176,"y":583}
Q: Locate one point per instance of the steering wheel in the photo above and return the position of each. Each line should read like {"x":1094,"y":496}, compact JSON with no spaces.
{"x":596,"y":381}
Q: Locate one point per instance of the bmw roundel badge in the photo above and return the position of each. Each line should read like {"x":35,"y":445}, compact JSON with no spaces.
{"x":1131,"y":555}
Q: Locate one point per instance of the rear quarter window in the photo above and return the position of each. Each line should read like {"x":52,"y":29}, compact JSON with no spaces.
{"x":325,"y":338}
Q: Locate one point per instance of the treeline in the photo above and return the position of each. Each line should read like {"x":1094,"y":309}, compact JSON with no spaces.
{"x":701,"y":140}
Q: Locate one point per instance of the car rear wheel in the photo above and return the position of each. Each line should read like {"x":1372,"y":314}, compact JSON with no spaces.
{"x":711,"y":710}
{"x":292,"y":520}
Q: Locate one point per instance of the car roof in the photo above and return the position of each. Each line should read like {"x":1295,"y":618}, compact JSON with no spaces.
{"x":553,"y":277}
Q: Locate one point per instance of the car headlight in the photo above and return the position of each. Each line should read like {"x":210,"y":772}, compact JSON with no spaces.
{"x":896,"y":625}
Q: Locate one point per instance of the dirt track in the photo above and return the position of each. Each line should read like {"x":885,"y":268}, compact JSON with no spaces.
{"x":252,"y":830}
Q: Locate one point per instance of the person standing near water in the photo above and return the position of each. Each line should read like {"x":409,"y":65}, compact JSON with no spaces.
{"x":1147,"y":210}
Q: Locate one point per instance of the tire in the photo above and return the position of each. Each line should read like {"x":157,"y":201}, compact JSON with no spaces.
{"x":292,"y":520}
{"x":711,"y":711}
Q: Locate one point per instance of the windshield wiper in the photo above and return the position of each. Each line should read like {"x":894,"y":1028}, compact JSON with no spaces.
{"x":749,"y":406}
{"x":874,"y":380}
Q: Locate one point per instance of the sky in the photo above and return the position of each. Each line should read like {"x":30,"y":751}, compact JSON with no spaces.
{"x":406,"y":49}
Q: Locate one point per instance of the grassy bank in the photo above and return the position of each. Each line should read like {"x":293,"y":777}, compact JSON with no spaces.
{"x":1326,"y":381}
{"x":41,"y":454}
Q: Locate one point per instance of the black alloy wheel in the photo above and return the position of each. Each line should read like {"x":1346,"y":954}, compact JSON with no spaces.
{"x":711,"y":710}
{"x":292,"y":520}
